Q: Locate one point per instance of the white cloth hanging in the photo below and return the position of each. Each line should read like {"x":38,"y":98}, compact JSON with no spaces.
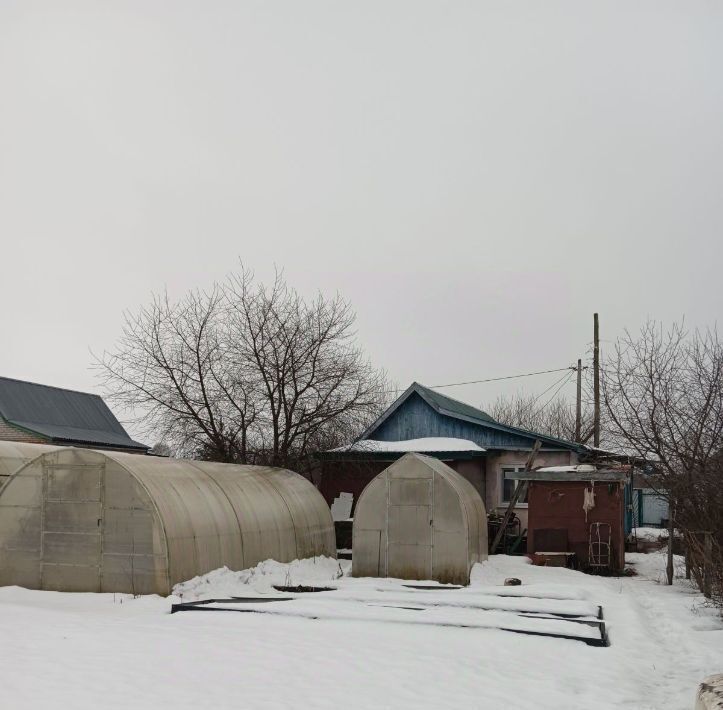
{"x":588,"y":499}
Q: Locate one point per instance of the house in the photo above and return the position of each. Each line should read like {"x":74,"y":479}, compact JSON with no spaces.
{"x":40,"y":414}
{"x":470,"y":441}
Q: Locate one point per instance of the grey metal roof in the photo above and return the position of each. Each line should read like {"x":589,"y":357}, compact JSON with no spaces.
{"x":62,"y":415}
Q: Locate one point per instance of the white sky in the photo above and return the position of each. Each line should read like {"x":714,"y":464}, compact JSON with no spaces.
{"x":476,"y":177}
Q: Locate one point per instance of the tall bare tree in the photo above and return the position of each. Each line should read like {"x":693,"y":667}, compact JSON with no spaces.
{"x":314,"y":383}
{"x":245,"y":373}
{"x":663,"y":391}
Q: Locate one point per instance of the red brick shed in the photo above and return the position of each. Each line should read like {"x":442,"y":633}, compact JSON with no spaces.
{"x":562,"y":519}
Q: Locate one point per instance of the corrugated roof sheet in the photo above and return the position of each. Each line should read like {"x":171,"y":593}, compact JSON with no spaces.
{"x":453,"y":405}
{"x":62,"y":415}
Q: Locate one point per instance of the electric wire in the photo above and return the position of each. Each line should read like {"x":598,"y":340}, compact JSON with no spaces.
{"x":554,"y":394}
{"x":554,"y":384}
{"x":490,"y":379}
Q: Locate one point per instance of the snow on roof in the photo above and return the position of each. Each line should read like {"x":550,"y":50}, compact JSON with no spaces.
{"x":581,"y":468}
{"x":430,"y":443}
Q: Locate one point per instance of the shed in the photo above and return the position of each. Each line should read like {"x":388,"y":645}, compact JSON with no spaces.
{"x":558,"y":520}
{"x":98,"y":521}
{"x":419,"y":519}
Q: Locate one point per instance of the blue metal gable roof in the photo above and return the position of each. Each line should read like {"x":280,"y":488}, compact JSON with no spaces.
{"x":62,"y":415}
{"x":408,"y":418}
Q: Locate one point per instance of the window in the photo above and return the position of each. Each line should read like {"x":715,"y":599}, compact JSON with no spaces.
{"x":508,"y":485}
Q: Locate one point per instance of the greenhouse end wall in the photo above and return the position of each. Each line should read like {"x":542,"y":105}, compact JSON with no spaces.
{"x":419,"y":519}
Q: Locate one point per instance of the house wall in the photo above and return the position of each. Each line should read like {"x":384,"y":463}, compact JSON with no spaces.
{"x":498,"y":460}
{"x":474,"y":470}
{"x":10,"y":433}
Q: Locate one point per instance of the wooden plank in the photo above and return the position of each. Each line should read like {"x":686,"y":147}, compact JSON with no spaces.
{"x":520,"y":488}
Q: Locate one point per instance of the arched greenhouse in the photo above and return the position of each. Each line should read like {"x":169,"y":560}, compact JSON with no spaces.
{"x":419,"y":519}
{"x":82,"y":520}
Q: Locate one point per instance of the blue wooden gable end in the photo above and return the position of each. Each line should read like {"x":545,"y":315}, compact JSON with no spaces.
{"x":421,"y":412}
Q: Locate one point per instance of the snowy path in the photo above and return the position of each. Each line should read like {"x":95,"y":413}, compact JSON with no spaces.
{"x":97,"y":651}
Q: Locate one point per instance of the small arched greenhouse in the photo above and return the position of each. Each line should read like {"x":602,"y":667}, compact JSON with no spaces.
{"x":419,"y":519}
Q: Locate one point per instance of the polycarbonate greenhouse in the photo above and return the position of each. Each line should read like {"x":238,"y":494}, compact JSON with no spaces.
{"x":419,"y":519}
{"x":13,"y":454}
{"x":82,"y":520}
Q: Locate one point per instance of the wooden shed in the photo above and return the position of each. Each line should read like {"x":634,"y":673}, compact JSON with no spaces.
{"x":579,"y":510}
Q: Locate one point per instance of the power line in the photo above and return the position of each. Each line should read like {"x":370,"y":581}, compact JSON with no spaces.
{"x":491,"y":379}
{"x":542,"y":394}
{"x":555,"y":393}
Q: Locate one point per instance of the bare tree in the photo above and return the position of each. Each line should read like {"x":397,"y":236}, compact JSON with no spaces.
{"x":663,"y":395}
{"x":245,"y":373}
{"x":554,"y":416}
{"x":314,"y":384}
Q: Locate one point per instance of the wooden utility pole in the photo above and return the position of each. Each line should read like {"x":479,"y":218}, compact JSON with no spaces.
{"x":578,"y":403}
{"x":707,"y":564}
{"x":596,"y":381}
{"x":520,"y":489}
{"x":671,"y":529}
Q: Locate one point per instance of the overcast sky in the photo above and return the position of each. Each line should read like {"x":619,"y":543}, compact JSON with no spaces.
{"x":476,"y":177}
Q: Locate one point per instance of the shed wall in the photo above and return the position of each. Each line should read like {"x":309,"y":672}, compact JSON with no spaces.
{"x":557,"y":506}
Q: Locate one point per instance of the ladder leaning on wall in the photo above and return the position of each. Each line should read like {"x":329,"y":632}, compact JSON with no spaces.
{"x":600,"y":549}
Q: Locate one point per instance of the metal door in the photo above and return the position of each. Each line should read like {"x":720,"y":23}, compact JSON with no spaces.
{"x":71,"y":527}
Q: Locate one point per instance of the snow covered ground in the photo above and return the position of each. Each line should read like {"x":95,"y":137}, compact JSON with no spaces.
{"x":356,"y":648}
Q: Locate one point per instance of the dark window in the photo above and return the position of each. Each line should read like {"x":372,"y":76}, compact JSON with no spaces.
{"x":508,"y":484}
